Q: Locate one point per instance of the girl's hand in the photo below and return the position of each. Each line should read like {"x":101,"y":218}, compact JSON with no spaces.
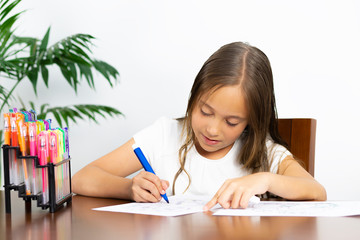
{"x":237,"y":192}
{"x":147,"y":187}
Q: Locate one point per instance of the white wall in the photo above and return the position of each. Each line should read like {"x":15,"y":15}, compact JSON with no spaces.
{"x":159,"y":46}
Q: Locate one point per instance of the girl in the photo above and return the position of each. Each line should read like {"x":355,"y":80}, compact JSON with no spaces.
{"x":226,"y":145}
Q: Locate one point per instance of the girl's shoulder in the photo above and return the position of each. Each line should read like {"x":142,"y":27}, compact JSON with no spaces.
{"x":275,"y":147}
{"x":167,"y":126}
{"x":162,"y":124}
{"x":161,"y":134}
{"x":276,"y":153}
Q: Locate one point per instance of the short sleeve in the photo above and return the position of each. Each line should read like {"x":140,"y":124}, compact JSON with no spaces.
{"x":150,"y":139}
{"x":276,"y":153}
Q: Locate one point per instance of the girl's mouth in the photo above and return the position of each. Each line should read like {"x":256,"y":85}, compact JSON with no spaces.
{"x":209,"y":141}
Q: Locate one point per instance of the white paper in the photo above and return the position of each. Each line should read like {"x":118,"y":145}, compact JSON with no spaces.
{"x":179,"y":205}
{"x":291,"y":208}
{"x":187,"y":204}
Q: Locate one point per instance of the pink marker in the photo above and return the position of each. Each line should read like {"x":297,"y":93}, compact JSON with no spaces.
{"x":43,"y":161}
{"x":32,"y":138}
{"x":53,"y":147}
{"x":42,"y":149}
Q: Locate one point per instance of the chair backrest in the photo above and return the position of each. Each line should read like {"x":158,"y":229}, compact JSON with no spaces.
{"x":299,"y":133}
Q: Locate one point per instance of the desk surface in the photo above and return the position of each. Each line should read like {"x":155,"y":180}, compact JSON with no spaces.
{"x":78,"y":221}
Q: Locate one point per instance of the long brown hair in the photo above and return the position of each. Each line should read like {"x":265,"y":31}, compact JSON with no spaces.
{"x":238,"y":64}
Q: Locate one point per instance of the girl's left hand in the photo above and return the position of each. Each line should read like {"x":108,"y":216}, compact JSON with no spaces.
{"x":237,"y":192}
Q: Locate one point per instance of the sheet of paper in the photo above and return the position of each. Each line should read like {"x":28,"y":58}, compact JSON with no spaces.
{"x":179,"y":205}
{"x":290,"y":208}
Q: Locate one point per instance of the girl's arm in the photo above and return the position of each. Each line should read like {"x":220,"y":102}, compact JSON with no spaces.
{"x":106,"y":177}
{"x":292,"y":182}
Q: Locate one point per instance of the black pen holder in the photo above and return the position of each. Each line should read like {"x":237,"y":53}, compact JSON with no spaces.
{"x":49,"y":185}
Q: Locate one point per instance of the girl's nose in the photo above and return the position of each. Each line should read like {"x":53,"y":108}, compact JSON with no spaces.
{"x":213,"y":128}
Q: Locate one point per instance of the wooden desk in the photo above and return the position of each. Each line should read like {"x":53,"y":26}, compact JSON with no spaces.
{"x":78,"y":221}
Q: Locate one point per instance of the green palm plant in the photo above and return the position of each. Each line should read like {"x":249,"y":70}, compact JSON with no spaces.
{"x":28,"y":58}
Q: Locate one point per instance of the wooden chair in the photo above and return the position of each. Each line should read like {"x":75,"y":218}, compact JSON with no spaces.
{"x":299,"y":133}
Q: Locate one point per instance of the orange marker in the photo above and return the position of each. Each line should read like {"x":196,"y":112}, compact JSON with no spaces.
{"x":23,"y":134}
{"x":7,"y":130}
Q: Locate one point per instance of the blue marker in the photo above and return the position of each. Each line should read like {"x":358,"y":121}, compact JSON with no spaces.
{"x":140,"y":155}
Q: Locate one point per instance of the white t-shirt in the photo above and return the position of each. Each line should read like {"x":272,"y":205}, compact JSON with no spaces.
{"x":160,"y":143}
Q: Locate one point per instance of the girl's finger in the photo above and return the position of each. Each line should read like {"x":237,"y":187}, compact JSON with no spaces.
{"x":144,"y":186}
{"x":227,"y":195}
{"x":245,"y":199}
{"x":210,"y":204}
{"x":148,"y":197}
{"x":223,"y":187}
{"x":148,"y":192}
{"x":138,"y":198}
{"x":225,"y":198}
{"x":151,"y":189}
{"x":214,"y":200}
{"x":165,"y":185}
{"x":235,"y":202}
{"x":156,"y":181}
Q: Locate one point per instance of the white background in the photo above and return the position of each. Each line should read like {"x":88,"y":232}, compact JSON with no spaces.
{"x":159,"y":46}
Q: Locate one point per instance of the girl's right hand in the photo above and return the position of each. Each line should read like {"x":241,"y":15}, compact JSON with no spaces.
{"x":147,"y":187}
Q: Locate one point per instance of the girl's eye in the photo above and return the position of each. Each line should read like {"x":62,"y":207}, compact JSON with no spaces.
{"x":231,"y":124}
{"x":204,"y":113}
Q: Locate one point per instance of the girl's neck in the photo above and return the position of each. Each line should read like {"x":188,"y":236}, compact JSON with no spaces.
{"x":213,"y":155}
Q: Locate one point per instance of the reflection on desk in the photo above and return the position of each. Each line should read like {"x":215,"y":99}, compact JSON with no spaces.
{"x":78,"y":221}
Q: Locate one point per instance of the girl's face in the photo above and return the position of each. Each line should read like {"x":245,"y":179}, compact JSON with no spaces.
{"x":218,"y":120}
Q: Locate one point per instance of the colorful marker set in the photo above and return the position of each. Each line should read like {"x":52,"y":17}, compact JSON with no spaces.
{"x":37,"y":158}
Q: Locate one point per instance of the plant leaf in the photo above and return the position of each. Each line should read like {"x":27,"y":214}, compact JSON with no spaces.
{"x":57,"y":116}
{"x":7,"y":9}
{"x":106,"y":70}
{"x":84,"y":111}
{"x":3,"y":95}
{"x":45,"y":74}
{"x":87,"y":73}
{"x":32,"y":105}
{"x":45,"y":41}
{"x":43,"y":111}
{"x":32,"y":74}
{"x":77,"y":112}
{"x":26,"y":56}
